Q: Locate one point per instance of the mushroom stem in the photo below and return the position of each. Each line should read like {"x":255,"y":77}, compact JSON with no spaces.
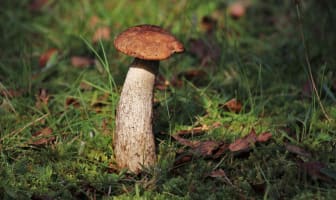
{"x":134,"y":145}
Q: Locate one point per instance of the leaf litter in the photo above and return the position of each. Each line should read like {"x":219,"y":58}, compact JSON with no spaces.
{"x":42,"y":137}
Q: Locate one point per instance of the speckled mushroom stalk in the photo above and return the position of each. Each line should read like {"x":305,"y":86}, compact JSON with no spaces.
{"x":134,"y":143}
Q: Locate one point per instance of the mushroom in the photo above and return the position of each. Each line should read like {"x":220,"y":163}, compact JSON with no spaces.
{"x":134,"y":145}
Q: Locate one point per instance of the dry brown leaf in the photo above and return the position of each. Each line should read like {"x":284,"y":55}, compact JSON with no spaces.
{"x":42,"y":98}
{"x":199,"y":130}
{"x":45,"y":57}
{"x":42,"y":137}
{"x":297,"y":150}
{"x":37,"y":5}
{"x":219,"y":173}
{"x":193,"y":131}
{"x":208,"y":24}
{"x":186,"y":142}
{"x":207,"y":148}
{"x":81,"y":61}
{"x":264,"y":137}
{"x":102,"y":33}
{"x":182,"y":159}
{"x":71,"y":101}
{"x":233,"y":105}
{"x":220,"y":151}
{"x":244,"y":143}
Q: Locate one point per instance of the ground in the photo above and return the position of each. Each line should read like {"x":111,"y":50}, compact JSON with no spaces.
{"x":246,"y":112}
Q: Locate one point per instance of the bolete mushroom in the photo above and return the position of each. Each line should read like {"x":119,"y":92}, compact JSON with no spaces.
{"x":134,"y":144}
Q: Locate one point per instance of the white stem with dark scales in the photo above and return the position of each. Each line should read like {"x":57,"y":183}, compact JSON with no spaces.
{"x":134,"y":145}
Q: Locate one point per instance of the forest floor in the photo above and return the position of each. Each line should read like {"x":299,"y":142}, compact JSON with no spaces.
{"x":246,"y":112}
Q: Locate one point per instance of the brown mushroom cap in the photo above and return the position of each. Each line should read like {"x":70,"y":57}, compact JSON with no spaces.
{"x":147,"y":42}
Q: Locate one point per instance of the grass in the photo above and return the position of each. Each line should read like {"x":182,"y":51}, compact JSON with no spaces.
{"x":262,"y":63}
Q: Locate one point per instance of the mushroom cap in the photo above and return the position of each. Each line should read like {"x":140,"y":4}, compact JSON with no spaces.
{"x":147,"y":42}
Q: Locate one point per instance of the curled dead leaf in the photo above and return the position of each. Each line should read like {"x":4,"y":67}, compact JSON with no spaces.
{"x":42,"y":98}
{"x":198,"y":130}
{"x":71,"y":101}
{"x":182,"y":159}
{"x":219,"y":173}
{"x":186,"y":142}
{"x":81,"y":61}
{"x":244,"y":143}
{"x":297,"y":150}
{"x":207,"y":148}
{"x":208,"y":24}
{"x":233,"y":105}
{"x":42,"y":137}
{"x":264,"y":137}
{"x":46,"y":56}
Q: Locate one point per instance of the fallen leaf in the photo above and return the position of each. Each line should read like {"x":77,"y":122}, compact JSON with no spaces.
{"x":81,"y":61}
{"x":102,"y":33}
{"x":237,"y":10}
{"x":186,"y":142}
{"x":207,"y":148}
{"x":219,"y":173}
{"x":42,"y":137}
{"x":42,"y":98}
{"x":297,"y":150}
{"x":220,"y":151}
{"x":208,"y":24}
{"x":182,"y":159}
{"x":199,"y":130}
{"x":46,"y":56}
{"x":264,"y":137}
{"x":71,"y":101}
{"x":37,"y":5}
{"x":313,"y":169}
{"x":244,"y":143}
{"x":233,"y":105}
